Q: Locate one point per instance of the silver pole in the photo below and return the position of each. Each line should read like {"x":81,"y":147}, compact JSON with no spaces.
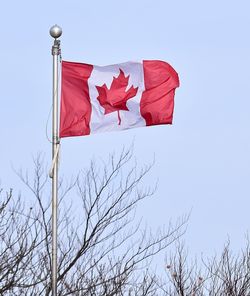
{"x":55,"y":32}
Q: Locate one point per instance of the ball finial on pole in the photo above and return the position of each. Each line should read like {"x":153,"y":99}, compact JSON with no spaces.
{"x":55,"y":31}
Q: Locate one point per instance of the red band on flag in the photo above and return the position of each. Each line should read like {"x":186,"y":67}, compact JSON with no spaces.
{"x":75,"y":102}
{"x":157,"y":102}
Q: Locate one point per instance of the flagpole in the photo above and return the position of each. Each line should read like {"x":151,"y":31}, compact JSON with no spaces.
{"x":55,"y":32}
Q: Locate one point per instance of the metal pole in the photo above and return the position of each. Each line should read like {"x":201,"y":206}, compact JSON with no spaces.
{"x":55,"y":32}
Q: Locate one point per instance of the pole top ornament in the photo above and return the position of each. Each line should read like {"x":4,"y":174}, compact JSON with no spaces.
{"x":55,"y":31}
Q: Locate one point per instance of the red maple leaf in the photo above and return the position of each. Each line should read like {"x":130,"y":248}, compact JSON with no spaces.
{"x":115,"y":98}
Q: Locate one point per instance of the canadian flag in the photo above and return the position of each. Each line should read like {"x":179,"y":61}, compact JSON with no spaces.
{"x":116,"y":97}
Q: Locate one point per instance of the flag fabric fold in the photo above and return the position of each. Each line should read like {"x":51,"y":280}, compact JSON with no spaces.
{"x":116,"y":97}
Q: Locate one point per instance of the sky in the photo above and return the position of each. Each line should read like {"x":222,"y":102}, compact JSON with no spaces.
{"x":202,"y":161}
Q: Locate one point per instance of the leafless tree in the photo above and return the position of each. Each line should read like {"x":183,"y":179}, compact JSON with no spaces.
{"x":224,"y":275}
{"x":102,"y":250}
{"x":184,"y":277}
{"x":230,"y":273}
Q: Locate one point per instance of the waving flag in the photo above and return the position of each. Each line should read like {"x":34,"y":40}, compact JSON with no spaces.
{"x":116,"y":97}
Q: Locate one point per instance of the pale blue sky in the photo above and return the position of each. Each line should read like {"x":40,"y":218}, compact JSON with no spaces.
{"x":203,"y":160}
